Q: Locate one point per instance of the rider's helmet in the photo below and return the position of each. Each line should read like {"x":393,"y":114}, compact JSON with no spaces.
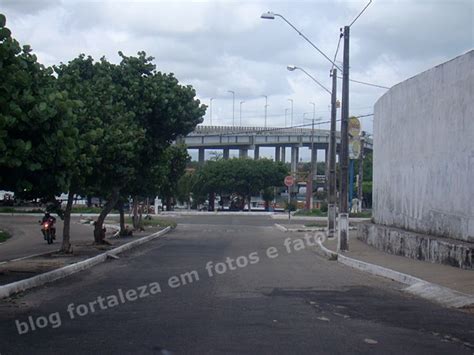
{"x":46,"y":214}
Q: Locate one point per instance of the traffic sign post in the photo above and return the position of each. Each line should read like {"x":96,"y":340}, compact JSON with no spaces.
{"x":289,"y":182}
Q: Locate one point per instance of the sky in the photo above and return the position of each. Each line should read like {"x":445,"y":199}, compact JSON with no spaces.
{"x":219,"y":46}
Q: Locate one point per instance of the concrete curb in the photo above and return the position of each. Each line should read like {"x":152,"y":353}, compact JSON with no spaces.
{"x":213,"y":213}
{"x":39,"y":280}
{"x":329,"y":253}
{"x":280,"y":227}
{"x":307,"y":229}
{"x":416,"y":286}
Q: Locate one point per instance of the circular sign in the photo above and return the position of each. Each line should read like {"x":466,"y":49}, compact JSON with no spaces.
{"x":289,"y":180}
{"x":354,"y":126}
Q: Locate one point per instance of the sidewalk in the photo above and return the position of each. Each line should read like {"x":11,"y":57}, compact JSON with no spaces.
{"x":447,"y":276}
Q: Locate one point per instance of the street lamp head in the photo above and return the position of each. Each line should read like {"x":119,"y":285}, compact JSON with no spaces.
{"x":268,"y":15}
{"x":291,"y":67}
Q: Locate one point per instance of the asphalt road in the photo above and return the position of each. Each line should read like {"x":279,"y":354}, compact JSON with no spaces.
{"x":293,"y":303}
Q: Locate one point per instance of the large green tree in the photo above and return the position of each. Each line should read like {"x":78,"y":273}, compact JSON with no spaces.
{"x":38,"y":131}
{"x":246,"y":177}
{"x":139,"y":112}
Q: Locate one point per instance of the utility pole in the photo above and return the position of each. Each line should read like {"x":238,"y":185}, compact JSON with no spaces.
{"x":332,"y":160}
{"x":210,"y":108}
{"x":344,"y":161}
{"x":309,"y":186}
{"x":266,"y":105}
{"x":291,"y":122}
{"x":233,"y":107}
{"x":361,"y":172}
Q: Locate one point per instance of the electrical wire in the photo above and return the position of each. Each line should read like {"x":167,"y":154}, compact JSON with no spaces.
{"x":360,"y":13}
{"x":337,"y":50}
{"x":366,"y":83}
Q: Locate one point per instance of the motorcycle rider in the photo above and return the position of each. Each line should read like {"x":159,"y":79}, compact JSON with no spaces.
{"x":51,"y":220}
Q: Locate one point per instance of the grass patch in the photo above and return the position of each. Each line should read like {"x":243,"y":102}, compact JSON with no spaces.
{"x":316,"y":224}
{"x":4,"y":236}
{"x":365,"y":214}
{"x":154,"y":222}
{"x":89,"y":210}
{"x":314,"y":212}
{"x":15,"y":210}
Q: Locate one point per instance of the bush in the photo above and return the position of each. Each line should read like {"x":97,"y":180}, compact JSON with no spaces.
{"x":324,"y":207}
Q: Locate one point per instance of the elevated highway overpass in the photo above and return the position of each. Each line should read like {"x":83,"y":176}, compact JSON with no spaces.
{"x":245,"y":139}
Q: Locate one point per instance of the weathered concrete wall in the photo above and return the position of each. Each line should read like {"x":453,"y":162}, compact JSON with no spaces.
{"x":424,"y":152}
{"x":417,"y":246}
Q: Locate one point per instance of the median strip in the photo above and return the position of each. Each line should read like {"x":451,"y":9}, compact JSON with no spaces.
{"x":39,"y":280}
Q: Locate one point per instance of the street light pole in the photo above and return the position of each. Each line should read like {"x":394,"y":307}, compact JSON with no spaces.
{"x":311,"y":175}
{"x":361,"y":172}
{"x":294,"y":67}
{"x":286,"y":113}
{"x":291,"y":122}
{"x":266,"y":105}
{"x":332,"y":160}
{"x":233,"y":107}
{"x":241,"y":102}
{"x":210,"y":108}
{"x":344,"y":161}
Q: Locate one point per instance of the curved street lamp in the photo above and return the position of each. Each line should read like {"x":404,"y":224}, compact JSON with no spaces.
{"x":294,"y":67}
{"x":271,"y":16}
{"x":233,"y":106}
{"x":241,"y":102}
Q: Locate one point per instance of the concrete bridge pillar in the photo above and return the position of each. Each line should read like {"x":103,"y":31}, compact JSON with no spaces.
{"x":201,"y":155}
{"x":277,"y":154}
{"x":226,"y":153}
{"x":283,"y":154}
{"x":294,"y":158}
{"x":256,"y":152}
{"x":243,"y":153}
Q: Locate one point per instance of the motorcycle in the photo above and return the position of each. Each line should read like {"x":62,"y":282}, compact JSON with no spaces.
{"x":48,"y":230}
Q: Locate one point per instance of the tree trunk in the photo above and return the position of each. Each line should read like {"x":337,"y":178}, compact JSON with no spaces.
{"x":122,"y":218}
{"x":250,"y":207}
{"x":135,"y":212}
{"x":140,"y":214}
{"x":89,"y":201}
{"x":168,"y":203}
{"x":66,"y":245}
{"x":212,"y":199}
{"x":99,"y":233}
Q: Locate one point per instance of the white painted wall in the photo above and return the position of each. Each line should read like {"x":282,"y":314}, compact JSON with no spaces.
{"x":424,"y":152}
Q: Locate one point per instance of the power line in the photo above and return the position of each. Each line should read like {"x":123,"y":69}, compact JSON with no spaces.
{"x":360,"y":13}
{"x":337,"y":50}
{"x":366,"y":83}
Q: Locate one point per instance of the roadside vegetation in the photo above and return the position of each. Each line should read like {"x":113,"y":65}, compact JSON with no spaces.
{"x":234,"y":179}
{"x":91,"y":127}
{"x":4,"y":236}
{"x":154,"y":222}
{"x":316,"y":212}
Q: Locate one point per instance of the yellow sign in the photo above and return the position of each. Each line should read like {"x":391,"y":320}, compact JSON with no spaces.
{"x":354,"y":126}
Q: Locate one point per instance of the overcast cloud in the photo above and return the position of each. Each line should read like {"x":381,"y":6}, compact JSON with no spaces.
{"x":218,"y":46}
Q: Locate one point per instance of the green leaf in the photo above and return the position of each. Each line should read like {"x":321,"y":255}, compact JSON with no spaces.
{"x":4,"y":33}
